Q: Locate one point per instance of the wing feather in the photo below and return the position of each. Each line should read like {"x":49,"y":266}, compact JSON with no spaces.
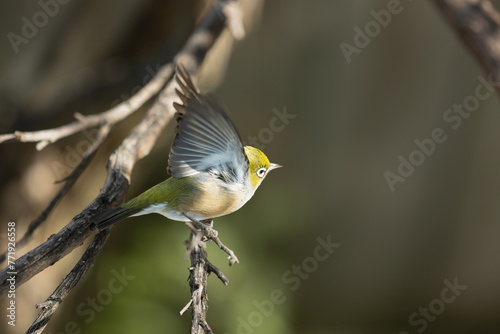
{"x":206,"y":139}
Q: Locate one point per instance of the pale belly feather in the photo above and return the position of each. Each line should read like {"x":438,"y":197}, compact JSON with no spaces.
{"x":215,"y":198}
{"x":212,"y":198}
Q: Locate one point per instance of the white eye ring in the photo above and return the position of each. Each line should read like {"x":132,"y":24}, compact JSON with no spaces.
{"x":261,"y":172}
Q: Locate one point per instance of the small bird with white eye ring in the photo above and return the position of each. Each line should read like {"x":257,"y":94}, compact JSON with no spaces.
{"x":213,"y":174}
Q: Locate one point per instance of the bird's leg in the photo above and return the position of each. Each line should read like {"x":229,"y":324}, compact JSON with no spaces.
{"x":212,"y":234}
{"x":205,"y":225}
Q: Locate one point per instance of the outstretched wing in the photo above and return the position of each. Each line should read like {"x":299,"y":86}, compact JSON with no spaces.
{"x":206,"y":139}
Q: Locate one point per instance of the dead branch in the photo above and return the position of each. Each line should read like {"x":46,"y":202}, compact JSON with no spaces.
{"x":135,"y":146}
{"x":201,"y":232}
{"x":105,"y":121}
{"x":477,"y":23}
{"x":110,"y":117}
{"x":198,"y":283}
{"x":68,"y":183}
{"x":69,"y":282}
{"x":199,"y":271}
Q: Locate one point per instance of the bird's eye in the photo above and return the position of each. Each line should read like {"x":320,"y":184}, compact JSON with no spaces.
{"x":261,"y":172}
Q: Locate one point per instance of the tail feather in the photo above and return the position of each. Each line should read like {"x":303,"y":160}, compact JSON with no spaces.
{"x":106,"y":218}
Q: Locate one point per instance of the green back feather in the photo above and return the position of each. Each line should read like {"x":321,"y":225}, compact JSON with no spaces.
{"x":172,"y":191}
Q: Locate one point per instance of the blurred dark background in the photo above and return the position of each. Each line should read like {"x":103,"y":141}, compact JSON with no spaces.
{"x":418,"y":256}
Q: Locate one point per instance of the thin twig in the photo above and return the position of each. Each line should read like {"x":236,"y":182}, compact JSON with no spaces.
{"x":213,"y":269}
{"x":109,"y":117}
{"x":232,"y":257}
{"x":185,"y":308}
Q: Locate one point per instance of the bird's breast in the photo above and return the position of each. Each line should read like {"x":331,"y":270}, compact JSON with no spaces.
{"x":213,"y":198}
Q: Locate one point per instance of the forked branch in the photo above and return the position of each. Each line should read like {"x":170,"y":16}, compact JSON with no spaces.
{"x":107,"y":118}
{"x":136,"y":145}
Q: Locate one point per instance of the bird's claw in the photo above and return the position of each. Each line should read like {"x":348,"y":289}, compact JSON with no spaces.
{"x":208,"y":227}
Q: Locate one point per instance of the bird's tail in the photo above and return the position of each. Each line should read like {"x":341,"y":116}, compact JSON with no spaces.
{"x":106,"y":218}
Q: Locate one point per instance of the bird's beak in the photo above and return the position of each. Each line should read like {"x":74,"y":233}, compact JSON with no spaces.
{"x":274,"y":166}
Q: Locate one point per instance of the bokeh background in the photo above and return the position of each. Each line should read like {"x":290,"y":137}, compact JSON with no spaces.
{"x":396,"y":251}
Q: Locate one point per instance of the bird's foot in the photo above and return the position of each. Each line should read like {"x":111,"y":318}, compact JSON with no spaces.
{"x":206,"y":226}
{"x":209,"y":228}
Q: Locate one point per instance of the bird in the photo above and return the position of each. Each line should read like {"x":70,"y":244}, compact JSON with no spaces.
{"x":212,"y":173}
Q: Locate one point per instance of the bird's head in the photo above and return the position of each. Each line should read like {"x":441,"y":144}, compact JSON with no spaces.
{"x":259,"y":165}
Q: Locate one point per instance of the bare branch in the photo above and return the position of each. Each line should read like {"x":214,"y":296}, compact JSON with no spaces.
{"x":199,"y":271}
{"x":213,"y":269}
{"x":137,"y":144}
{"x":198,"y":283}
{"x":69,"y":282}
{"x":198,"y":278}
{"x":109,"y":117}
{"x":477,"y":23}
{"x":234,"y":16}
{"x":68,"y":183}
{"x":69,"y":237}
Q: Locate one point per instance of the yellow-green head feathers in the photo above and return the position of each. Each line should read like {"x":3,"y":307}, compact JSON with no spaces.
{"x":258,"y":165}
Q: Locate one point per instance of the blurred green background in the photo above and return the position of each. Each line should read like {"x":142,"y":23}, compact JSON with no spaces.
{"x":420,"y":257}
